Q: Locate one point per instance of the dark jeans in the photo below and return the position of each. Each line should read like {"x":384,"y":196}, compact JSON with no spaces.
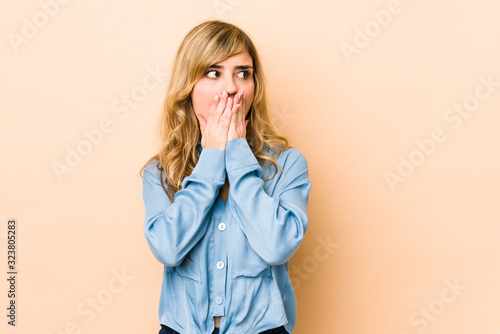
{"x":278,"y":330}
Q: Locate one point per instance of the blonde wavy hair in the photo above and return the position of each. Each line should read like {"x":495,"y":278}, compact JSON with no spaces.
{"x":205,"y":45}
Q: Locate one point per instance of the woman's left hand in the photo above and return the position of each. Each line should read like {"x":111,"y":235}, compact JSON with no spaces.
{"x":237,"y":124}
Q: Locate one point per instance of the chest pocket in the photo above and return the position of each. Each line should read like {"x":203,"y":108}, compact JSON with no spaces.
{"x":189,"y":269}
{"x":245,"y":261}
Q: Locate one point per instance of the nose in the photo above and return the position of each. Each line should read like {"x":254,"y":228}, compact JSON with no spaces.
{"x":230,"y":87}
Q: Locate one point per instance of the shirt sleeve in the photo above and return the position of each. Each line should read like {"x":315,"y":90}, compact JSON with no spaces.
{"x":172,"y":230}
{"x":274,"y":226}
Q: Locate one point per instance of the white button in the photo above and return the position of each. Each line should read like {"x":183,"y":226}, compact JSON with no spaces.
{"x":220,"y":265}
{"x":222,"y":226}
{"x":218,"y":300}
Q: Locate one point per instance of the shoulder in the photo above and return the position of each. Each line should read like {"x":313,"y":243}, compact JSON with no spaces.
{"x":151,"y":171}
{"x":295,"y":170}
{"x":292,"y":158}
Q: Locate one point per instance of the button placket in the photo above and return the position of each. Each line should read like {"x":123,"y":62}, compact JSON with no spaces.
{"x":220,"y":257}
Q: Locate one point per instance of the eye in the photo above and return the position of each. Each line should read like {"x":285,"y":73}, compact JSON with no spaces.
{"x":212,"y":74}
{"x":244,"y":74}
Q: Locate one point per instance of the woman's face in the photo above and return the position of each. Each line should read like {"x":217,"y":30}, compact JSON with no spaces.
{"x":230,"y":75}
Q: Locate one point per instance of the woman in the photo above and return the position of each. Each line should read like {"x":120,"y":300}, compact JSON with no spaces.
{"x":225,"y":197}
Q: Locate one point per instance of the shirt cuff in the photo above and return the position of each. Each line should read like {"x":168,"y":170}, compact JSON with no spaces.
{"x":239,"y":154}
{"x":211,"y":165}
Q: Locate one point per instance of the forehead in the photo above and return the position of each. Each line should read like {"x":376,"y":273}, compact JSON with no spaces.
{"x":242,"y":58}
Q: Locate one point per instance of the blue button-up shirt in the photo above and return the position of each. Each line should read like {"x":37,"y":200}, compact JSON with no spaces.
{"x":231,"y":259}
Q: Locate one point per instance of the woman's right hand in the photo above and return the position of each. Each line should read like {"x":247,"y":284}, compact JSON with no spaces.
{"x":214,"y":128}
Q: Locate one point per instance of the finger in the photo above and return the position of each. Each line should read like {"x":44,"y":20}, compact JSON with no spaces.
{"x":233,"y":120}
{"x":228,"y":110}
{"x":242,"y":106}
{"x":226,"y":119}
{"x":222,"y":104}
{"x":229,"y":104}
{"x":237,"y":100}
{"x":236,"y":108}
{"x":237,"y":97}
{"x":213,"y":105}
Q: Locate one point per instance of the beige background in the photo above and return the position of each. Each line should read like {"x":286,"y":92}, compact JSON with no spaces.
{"x":418,"y":255}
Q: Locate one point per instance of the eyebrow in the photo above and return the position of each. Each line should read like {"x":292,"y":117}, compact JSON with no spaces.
{"x":239,"y":67}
